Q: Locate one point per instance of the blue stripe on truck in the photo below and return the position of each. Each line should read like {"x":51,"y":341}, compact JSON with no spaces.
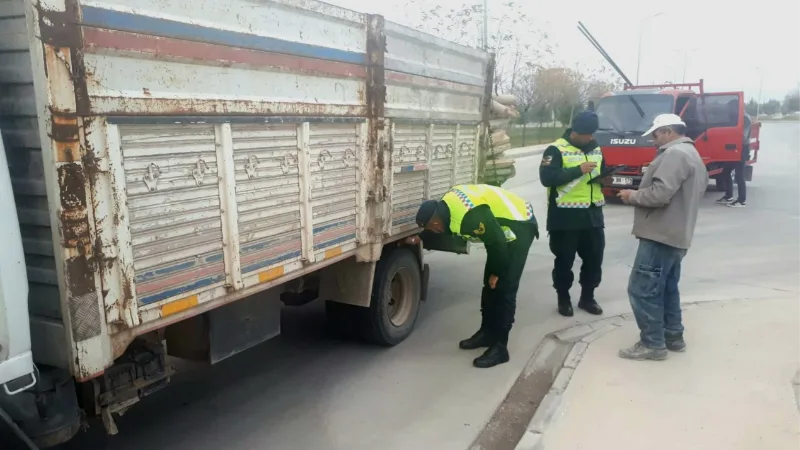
{"x":123,"y":21}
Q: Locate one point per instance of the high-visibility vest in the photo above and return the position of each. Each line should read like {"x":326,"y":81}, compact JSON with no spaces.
{"x":504,"y":205}
{"x":578,"y":193}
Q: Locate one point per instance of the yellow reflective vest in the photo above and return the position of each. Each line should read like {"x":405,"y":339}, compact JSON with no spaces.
{"x":504,"y":205}
{"x":578,"y":193}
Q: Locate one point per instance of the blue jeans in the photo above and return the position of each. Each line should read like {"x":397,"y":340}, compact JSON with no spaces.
{"x":653,"y":292}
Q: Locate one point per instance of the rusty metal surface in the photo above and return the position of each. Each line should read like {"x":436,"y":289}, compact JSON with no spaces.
{"x":267,"y":194}
{"x":157,"y":57}
{"x":466,"y":155}
{"x":429,"y":78}
{"x":334,"y":159}
{"x":410,"y":164}
{"x":442,"y":160}
{"x":149,"y":62}
{"x":174,"y":205}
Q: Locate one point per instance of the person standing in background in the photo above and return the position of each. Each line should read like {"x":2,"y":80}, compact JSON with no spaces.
{"x":570,"y":170}
{"x":738,"y":168}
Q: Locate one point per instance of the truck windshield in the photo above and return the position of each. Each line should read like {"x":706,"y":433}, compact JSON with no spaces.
{"x":632,"y":113}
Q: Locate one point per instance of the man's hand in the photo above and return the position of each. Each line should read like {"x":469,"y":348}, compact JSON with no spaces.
{"x":413,"y":240}
{"x":493,"y":281}
{"x":625,"y":195}
{"x":588,"y":167}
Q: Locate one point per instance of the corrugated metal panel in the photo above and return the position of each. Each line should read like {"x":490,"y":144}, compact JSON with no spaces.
{"x":415,"y":97}
{"x":174,"y":206}
{"x":409,"y":158}
{"x":466,"y":154}
{"x":442,"y":160}
{"x":151,"y":56}
{"x":430,"y":78}
{"x":410,"y":51}
{"x":334,"y":183}
{"x":20,"y":130}
{"x":267,"y":194}
{"x":13,"y":29}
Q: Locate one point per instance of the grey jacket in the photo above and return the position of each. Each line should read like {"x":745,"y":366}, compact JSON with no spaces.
{"x":669,"y":195}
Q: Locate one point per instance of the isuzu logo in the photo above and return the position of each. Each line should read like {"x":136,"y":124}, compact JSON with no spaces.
{"x":623,"y":141}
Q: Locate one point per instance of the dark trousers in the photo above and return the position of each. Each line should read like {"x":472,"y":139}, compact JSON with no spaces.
{"x":738,"y":169}
{"x":499,"y":305}
{"x":589,"y":244}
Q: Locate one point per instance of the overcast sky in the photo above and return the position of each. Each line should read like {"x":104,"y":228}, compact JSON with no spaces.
{"x":729,"y":46}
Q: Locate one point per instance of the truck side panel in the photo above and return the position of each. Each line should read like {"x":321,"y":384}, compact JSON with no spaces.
{"x":19,"y":123}
{"x":228,"y":147}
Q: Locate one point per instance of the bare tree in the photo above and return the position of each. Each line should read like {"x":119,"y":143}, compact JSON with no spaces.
{"x":514,"y":38}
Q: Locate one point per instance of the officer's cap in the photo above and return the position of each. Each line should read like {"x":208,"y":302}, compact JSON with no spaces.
{"x":426,"y":212}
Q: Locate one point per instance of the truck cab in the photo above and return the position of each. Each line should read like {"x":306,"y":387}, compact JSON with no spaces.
{"x":715,"y":121}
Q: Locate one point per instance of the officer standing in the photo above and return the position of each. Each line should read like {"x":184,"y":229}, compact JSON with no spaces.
{"x":570,"y":170}
{"x":507,"y":227}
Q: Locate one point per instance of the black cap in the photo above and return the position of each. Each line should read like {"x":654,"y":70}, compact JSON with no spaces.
{"x":585,"y":122}
{"x":426,"y":211}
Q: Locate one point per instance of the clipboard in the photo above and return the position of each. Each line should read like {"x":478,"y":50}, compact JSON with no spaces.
{"x":605,"y":173}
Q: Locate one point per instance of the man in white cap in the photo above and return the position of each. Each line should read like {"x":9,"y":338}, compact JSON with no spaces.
{"x":664,"y":220}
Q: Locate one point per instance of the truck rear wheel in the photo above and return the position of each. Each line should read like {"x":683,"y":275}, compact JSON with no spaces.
{"x":394,"y":306}
{"x":396,"y":294}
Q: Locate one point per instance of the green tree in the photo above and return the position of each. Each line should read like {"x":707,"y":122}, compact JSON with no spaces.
{"x":751,"y":107}
{"x":771,"y":107}
{"x":515,"y":38}
{"x":791,"y":103}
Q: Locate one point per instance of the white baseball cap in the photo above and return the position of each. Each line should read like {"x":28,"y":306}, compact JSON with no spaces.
{"x":664,"y":120}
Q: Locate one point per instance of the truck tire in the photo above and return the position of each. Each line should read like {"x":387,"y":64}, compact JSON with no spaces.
{"x":394,"y":306}
{"x":396,"y":295}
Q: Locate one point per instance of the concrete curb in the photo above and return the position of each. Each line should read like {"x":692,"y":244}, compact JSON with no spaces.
{"x":580,"y":337}
{"x":535,"y":398}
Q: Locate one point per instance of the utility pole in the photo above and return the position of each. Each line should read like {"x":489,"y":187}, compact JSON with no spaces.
{"x":685,"y":57}
{"x":641,"y":33}
{"x":486,"y":25}
{"x":760,"y":87}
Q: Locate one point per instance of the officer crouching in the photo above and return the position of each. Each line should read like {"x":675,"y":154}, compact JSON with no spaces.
{"x":571,"y":171}
{"x":507,"y":227}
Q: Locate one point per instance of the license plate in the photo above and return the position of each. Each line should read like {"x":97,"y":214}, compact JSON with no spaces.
{"x":624,"y":181}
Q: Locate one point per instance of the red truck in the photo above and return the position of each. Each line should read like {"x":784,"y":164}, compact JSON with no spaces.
{"x":716,"y":121}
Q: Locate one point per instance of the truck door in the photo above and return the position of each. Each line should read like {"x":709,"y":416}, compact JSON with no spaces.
{"x":16,"y":360}
{"x":716,"y":122}
{"x":755,"y":140}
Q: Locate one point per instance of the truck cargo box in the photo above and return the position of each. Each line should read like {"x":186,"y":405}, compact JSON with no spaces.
{"x":168,"y":158}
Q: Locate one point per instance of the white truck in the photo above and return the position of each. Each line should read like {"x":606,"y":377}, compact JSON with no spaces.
{"x":183,"y":170}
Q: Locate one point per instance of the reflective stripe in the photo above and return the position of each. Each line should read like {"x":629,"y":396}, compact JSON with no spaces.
{"x":570,"y":186}
{"x":513,"y":209}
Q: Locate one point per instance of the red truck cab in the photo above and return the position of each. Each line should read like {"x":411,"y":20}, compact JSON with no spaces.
{"x":716,"y":122}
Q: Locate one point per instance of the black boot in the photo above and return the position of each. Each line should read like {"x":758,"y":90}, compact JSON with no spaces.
{"x":588,"y":303}
{"x":565,"y":304}
{"x":478,"y":340}
{"x":496,"y":354}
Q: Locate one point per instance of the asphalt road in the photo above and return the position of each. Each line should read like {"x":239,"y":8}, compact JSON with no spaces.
{"x":305,"y":391}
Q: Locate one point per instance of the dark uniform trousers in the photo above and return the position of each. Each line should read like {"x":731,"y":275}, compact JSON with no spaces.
{"x":499,"y":305}
{"x":589,"y":244}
